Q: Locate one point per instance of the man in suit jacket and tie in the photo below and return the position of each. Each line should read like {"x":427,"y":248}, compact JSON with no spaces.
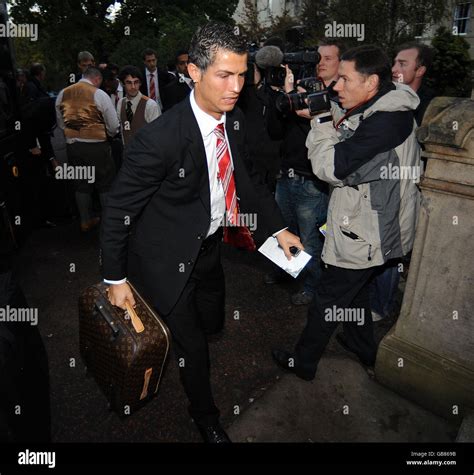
{"x":155,"y":80}
{"x":182,"y":179}
{"x":181,"y":85}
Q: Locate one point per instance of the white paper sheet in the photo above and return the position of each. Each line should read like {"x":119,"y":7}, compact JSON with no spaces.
{"x":274,"y":252}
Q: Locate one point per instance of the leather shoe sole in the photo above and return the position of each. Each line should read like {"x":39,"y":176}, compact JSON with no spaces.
{"x":286,"y":362}
{"x":213,"y":434}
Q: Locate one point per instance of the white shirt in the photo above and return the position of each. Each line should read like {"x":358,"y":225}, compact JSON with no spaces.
{"x":157,"y":90}
{"x":103,"y":103}
{"x":117,"y":95}
{"x":152,"y":109}
{"x":207,"y":124}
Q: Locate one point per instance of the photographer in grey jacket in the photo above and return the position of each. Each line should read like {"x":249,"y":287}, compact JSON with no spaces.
{"x":367,"y":151}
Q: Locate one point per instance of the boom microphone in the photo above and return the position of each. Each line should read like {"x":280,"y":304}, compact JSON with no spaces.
{"x":269,"y":56}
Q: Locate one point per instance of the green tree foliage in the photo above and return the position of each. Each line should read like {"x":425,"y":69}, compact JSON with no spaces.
{"x":69,"y":26}
{"x":64,"y":29}
{"x":252,"y":28}
{"x":388,"y":23}
{"x":250,"y":25}
{"x":314,"y":15}
{"x":280,"y":25}
{"x":450,"y":74}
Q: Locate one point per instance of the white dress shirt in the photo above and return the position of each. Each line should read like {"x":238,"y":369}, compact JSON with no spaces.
{"x":117,"y":95}
{"x":152,"y":109}
{"x":103,"y":103}
{"x":207,"y":125}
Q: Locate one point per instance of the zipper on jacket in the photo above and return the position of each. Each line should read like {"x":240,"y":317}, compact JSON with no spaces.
{"x":370,"y":249}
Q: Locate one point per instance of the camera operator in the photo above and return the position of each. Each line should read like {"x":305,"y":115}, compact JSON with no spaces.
{"x":263,"y":151}
{"x":300,"y":194}
{"x":330,"y":52}
{"x":371,"y":215}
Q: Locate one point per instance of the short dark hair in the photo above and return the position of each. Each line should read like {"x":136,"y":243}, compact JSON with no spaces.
{"x":92,"y":72}
{"x":425,"y":53}
{"x":130,"y":71}
{"x":210,"y":38}
{"x":178,"y":54}
{"x":107,"y":74}
{"x":148,"y":52}
{"x":370,"y":59}
{"x":36,"y":69}
{"x":341,"y":47}
{"x":113,"y":67}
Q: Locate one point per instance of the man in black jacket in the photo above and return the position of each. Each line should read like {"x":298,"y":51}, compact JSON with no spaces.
{"x":301,"y":196}
{"x":154,"y":80}
{"x":181,"y":85}
{"x":183,"y":177}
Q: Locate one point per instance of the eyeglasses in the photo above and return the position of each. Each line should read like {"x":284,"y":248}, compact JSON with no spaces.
{"x":132,"y":83}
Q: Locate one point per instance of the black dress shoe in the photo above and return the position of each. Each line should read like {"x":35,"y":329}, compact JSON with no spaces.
{"x":286,"y":361}
{"x":213,"y":434}
{"x":341,"y":339}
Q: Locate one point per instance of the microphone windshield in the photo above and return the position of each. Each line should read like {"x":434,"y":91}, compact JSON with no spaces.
{"x":269,"y":56}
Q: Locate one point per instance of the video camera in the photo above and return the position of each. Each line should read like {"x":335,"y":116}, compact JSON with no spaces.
{"x":269,"y":60}
{"x":316,"y":98}
{"x":300,"y":63}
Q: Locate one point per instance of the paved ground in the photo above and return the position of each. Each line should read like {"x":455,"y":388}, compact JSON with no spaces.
{"x":342,"y":404}
{"x":258,"y":403}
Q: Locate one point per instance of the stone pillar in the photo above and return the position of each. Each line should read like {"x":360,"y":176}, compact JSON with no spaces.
{"x":428,"y":356}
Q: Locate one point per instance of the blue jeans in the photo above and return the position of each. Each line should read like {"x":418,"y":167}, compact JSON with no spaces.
{"x":304,"y":209}
{"x":383,"y":288}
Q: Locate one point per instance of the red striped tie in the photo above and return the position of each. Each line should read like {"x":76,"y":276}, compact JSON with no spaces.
{"x":226,"y":175}
{"x":152,"y":87}
{"x":238,"y":236}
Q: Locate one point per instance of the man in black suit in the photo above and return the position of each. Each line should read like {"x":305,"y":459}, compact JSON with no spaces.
{"x":170,"y":188}
{"x":181,"y":85}
{"x":154,"y":79}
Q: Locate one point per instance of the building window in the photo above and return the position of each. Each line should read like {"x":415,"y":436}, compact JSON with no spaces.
{"x":462,"y":15}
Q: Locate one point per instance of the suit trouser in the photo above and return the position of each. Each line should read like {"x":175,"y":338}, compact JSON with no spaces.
{"x":342,"y":296}
{"x":199,"y":312}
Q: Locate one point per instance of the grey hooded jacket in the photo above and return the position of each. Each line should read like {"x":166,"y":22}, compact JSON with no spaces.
{"x":372,"y":162}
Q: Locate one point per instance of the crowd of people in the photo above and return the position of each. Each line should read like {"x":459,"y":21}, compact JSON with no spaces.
{"x":171,"y":151}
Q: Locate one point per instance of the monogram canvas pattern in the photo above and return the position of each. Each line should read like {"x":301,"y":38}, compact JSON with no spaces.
{"x":126,"y":365}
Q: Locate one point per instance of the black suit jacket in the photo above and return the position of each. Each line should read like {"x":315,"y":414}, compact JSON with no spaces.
{"x":163,"y":188}
{"x":175,"y":92}
{"x":163,"y":79}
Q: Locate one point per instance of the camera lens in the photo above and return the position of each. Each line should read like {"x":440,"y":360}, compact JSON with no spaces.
{"x":291,"y":102}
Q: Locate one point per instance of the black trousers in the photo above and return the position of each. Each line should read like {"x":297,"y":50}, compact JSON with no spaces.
{"x":198,"y":313}
{"x":342,"y":294}
{"x":97,"y":155}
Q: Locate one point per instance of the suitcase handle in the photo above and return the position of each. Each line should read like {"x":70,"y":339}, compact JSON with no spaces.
{"x":136,"y":322}
{"x":99,"y":305}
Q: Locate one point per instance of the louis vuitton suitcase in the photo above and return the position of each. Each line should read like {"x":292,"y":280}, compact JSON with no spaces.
{"x":125,"y":351}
